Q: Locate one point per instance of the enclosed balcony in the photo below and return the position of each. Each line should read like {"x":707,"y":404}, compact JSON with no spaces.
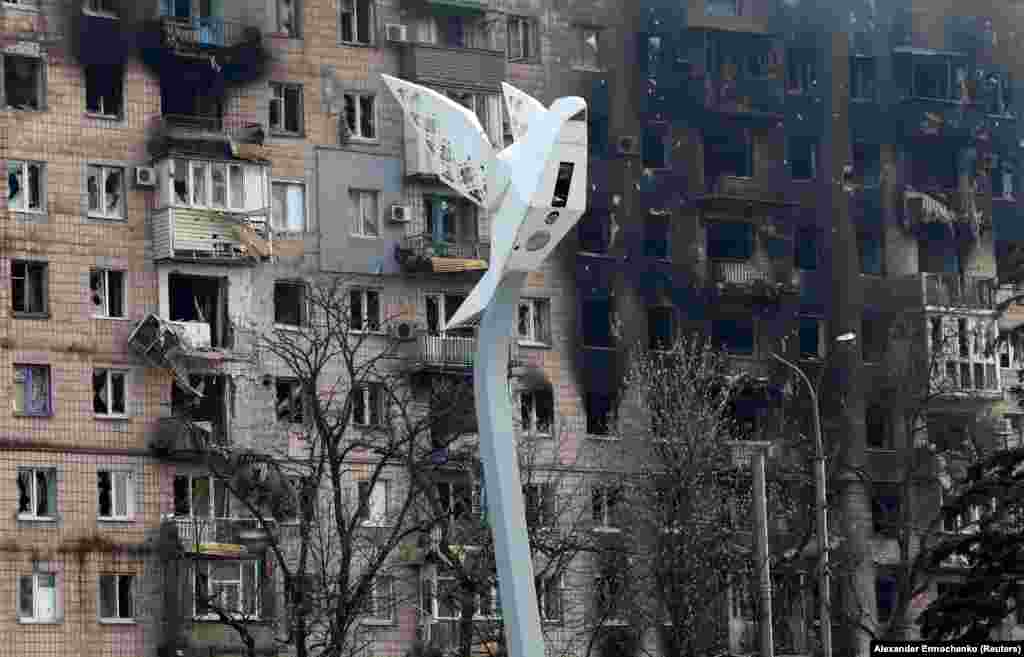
{"x":958,"y":291}
{"x":443,"y":65}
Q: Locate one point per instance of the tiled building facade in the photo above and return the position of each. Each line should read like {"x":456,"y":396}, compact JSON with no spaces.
{"x":740,"y":183}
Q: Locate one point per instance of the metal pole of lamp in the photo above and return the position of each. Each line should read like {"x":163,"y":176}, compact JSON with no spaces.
{"x":821,"y":505}
{"x":764,"y":573}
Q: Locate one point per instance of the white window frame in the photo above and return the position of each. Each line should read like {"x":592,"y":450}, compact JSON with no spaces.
{"x":977,"y":336}
{"x":37,"y":602}
{"x":213,"y":481}
{"x":532,"y":428}
{"x":30,"y":371}
{"x":538,"y":316}
{"x":51,"y":479}
{"x":356,"y":132}
{"x":367,"y":322}
{"x":277,"y":95}
{"x":525,"y":28}
{"x":117,"y":618}
{"x":607,"y":519}
{"x":240,"y":582}
{"x":542,"y":596}
{"x":280,"y":225}
{"x":581,"y":36}
{"x":22,"y":205}
{"x":373,"y":615}
{"x":441,"y":576}
{"x":92,"y":8}
{"x":373,"y":399}
{"x":40,"y":74}
{"x":104,"y":293}
{"x":354,"y":11}
{"x":378,"y":503}
{"x":109,"y":374}
{"x":127,"y":478}
{"x":103,"y":170}
{"x":363,"y":202}
{"x":296,"y":15}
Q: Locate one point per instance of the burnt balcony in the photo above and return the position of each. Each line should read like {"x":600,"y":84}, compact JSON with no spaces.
{"x":425,"y":252}
{"x":475,"y":68}
{"x":750,"y":96}
{"x":748,"y":278}
{"x":197,"y":34}
{"x":958,"y":291}
{"x":769,"y":189}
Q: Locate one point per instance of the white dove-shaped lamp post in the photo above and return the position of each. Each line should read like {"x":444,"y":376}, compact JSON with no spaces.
{"x":535,"y":192}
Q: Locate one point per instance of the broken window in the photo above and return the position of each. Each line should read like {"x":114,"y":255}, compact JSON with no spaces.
{"x":801,"y":70}
{"x":115,"y":489}
{"x":597,"y":323}
{"x":885,"y":508}
{"x":361,"y":115}
{"x":356,"y":21}
{"x":37,"y":493}
{"x":728,"y":155}
{"x":1003,"y":176}
{"x":810,"y":334}
{"x":533,"y":319}
{"x":374,"y":499}
{"x":368,"y":405}
{"x":116,"y":597}
{"x":286,"y":108}
{"x":288,"y":210}
{"x":600,"y":414}
{"x":208,"y":413}
{"x":108,"y":392}
{"x":108,"y":292}
{"x":862,"y":78}
{"x":878,"y":427}
{"x":103,"y":90}
{"x":105,"y":185}
{"x":23,"y":81}
{"x":588,"y":48}
{"x":364,"y":310}
{"x":657,"y":229}
{"x":365,"y":213}
{"x":604,"y":503}
{"x":232,"y":587}
{"x":807,"y":248}
{"x":659,"y":327}
{"x":31,"y":390}
{"x":656,"y":145}
{"x":29,"y":287}
{"x":449,"y":220}
{"x":289,"y":400}
{"x":938,"y":252}
{"x":734,"y":335}
{"x":537,"y":411}
{"x":202,"y":299}
{"x":522,"y":41}
{"x":803,"y":157}
{"x":289,"y":18}
{"x":290,"y":303}
{"x":593,"y":232}
{"x":539,"y":500}
{"x":25,"y":186}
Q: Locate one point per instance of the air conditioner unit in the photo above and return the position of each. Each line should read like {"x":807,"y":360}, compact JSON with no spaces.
{"x":397,"y":32}
{"x":403,"y":330}
{"x":628,"y":145}
{"x":145,"y":177}
{"x":400,"y":214}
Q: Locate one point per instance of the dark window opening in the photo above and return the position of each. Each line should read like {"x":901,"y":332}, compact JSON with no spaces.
{"x":29,"y":287}
{"x":862,"y":78}
{"x":938,"y":252}
{"x":23,"y":82}
{"x":867,"y":163}
{"x":656,"y":142}
{"x":810,"y":338}
{"x":730,"y":240}
{"x":356,"y":21}
{"x":878,"y":427}
{"x":537,"y":411}
{"x":873,"y":340}
{"x":289,"y":400}
{"x":600,"y":414}
{"x":869,"y":247}
{"x":1003,"y":178}
{"x":734,"y":335}
{"x":593,"y":233}
{"x":202,"y":299}
{"x":803,"y":158}
{"x":563,"y":182}
{"x":657,"y":231}
{"x":286,"y":108}
{"x":290,"y":303}
{"x":539,"y":500}
{"x":801,"y":70}
{"x":729,"y":155}
{"x":211,"y":408}
{"x":807,"y":249}
{"x":597,"y":323}
{"x":659,"y":328}
{"x":103,"y":90}
{"x":933,"y":167}
{"x":449,"y":221}
{"x":885,"y":508}
{"x":885,"y":596}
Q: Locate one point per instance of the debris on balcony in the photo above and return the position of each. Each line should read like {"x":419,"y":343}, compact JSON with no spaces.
{"x":200,"y":300}
{"x":159,"y":343}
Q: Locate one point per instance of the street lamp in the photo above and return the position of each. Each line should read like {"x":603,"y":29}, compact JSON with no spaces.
{"x":821,"y":504}
{"x":535,"y":190}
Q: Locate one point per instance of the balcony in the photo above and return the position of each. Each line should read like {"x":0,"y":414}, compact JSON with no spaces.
{"x":206,"y":235}
{"x":472,"y":68}
{"x":747,"y":278}
{"x":448,"y":352}
{"x":424,"y":252}
{"x":203,"y":33}
{"x":214,"y":536}
{"x":958,"y":379}
{"x":958,"y":291}
{"x":737,"y":188}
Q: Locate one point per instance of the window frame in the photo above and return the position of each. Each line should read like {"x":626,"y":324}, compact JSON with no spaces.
{"x":295,"y":401}
{"x":35,"y":617}
{"x":359,"y":199}
{"x":118,"y":618}
{"x":368,"y":502}
{"x":532,"y":428}
{"x":41,"y":268}
{"x":526,"y":26}
{"x":858,"y":84}
{"x":819,"y":326}
{"x":606,"y":522}
{"x":538,"y":321}
{"x":812,"y":156}
{"x":119,"y":84}
{"x":367,"y":324}
{"x":105,"y":13}
{"x":31,"y":369}
{"x":296,"y":31}
{"x":579,"y":60}
{"x":50,"y":475}
{"x":129,"y":494}
{"x":40,"y":75}
{"x":544,"y":590}
{"x":25,"y":166}
{"x":652,"y":315}
{"x":213,"y":482}
{"x":607,"y":587}
{"x":109,"y":374}
{"x":371,"y":614}
{"x":372,"y":400}
{"x":885,"y":521}
{"x":545,"y":507}
{"x":104,"y":171}
{"x":205,"y":565}
{"x":282,"y":226}
{"x":192,"y":164}
{"x":875,"y":416}
{"x":355,"y":133}
{"x":737,"y":9}
{"x":302,"y":304}
{"x":370,"y":22}
{"x":278,"y":94}
{"x":610,"y":420}
{"x":104,"y":274}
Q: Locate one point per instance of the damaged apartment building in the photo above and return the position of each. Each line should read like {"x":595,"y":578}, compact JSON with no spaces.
{"x":179,"y":171}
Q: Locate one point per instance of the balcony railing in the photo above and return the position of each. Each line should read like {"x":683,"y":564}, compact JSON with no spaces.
{"x":458,"y":352}
{"x":737,"y":272}
{"x":964,"y":377}
{"x":958,"y":291}
{"x":203,"y":32}
{"x":426,"y":246}
{"x":194,"y":533}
